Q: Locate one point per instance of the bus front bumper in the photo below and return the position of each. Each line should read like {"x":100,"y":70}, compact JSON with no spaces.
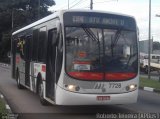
{"x":64,"y":97}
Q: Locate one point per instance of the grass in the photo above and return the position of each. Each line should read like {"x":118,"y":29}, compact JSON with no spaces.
{"x":2,"y":107}
{"x":144,"y":82}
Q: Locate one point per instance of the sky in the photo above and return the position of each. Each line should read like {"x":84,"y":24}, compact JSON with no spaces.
{"x":137,"y":8}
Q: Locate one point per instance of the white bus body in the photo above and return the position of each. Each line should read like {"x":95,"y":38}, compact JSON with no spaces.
{"x":78,"y":57}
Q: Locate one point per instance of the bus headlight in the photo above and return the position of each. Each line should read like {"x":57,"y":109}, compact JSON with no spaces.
{"x":72,"y":88}
{"x":131,"y":87}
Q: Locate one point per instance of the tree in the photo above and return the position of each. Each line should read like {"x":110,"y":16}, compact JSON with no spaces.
{"x":5,"y":47}
{"x":24,"y":12}
{"x":29,"y":11}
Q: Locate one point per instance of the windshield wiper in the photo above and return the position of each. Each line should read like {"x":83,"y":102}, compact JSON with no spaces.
{"x":93,"y":37}
{"x":118,"y":34}
{"x":90,"y":34}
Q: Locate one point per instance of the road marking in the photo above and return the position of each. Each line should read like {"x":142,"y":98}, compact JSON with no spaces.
{"x":148,"y":89}
{"x":4,"y":65}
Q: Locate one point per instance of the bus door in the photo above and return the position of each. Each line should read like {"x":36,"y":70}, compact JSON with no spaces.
{"x":27,"y":59}
{"x":51,"y":58}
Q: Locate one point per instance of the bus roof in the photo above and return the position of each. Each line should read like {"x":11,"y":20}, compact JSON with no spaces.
{"x":58,"y":13}
{"x":54,"y":15}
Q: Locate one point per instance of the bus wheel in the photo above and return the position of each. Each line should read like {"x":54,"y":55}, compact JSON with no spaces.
{"x":41,"y":92}
{"x":19,"y":86}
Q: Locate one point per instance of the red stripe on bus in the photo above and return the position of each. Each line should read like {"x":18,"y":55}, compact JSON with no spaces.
{"x":43,"y":68}
{"x":99,"y":76}
{"x":87,"y":75}
{"x":119,"y":76}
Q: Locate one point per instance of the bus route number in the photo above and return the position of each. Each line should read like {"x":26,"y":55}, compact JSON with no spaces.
{"x":114,"y":85}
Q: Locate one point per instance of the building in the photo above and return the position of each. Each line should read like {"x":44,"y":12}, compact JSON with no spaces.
{"x":144,"y":47}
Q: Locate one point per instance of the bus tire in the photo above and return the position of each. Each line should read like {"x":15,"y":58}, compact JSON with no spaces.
{"x":41,"y":92}
{"x":19,"y":86}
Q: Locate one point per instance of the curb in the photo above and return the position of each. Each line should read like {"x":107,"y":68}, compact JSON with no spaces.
{"x":6,"y":104}
{"x":150,"y":89}
{"x":4,"y":65}
{"x":9,"y":114}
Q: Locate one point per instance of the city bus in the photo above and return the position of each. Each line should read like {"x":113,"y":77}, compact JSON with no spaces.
{"x":78,"y":57}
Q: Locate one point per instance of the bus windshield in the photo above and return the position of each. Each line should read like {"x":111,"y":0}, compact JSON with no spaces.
{"x":101,"y":54}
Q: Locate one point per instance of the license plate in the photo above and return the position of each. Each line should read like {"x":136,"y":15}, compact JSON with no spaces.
{"x":81,"y":66}
{"x":102,"y":98}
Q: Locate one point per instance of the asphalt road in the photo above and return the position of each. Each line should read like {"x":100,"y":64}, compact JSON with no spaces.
{"x":26,"y":104}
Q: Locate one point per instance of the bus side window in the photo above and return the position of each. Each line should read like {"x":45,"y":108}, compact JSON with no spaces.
{"x":52,"y":45}
{"x":42,"y":44}
{"x":53,"y":36}
{"x":55,"y":40}
{"x":35,"y":45}
{"x":21,"y":46}
{"x":28,"y":47}
{"x":18,"y":46}
{"x":60,"y":42}
{"x":59,"y":55}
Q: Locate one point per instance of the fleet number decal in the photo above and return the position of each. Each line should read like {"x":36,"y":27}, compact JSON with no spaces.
{"x":114,"y":85}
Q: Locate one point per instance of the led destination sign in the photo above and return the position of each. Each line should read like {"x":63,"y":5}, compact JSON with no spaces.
{"x":98,"y":20}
